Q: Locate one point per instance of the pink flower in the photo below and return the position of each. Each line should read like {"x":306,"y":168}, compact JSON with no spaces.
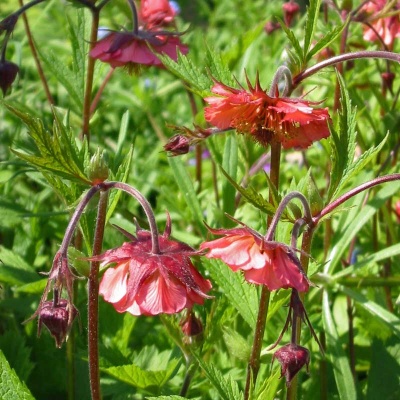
{"x":128,"y":49}
{"x":381,"y":27}
{"x":146,"y":283}
{"x":290,"y":10}
{"x":155,"y":13}
{"x":292,"y":122}
{"x":266,"y":263}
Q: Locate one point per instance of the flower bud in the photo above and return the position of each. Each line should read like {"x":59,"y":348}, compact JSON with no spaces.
{"x":292,"y":357}
{"x":290,"y":10}
{"x":387,"y":80}
{"x":177,"y":145}
{"x":192,"y":328}
{"x":97,"y":171}
{"x":8,"y":73}
{"x":57,"y":319}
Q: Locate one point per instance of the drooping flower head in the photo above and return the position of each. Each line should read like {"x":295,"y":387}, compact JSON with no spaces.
{"x":272,"y":264}
{"x":292,"y":122}
{"x":130,"y":49}
{"x":147,"y":283}
{"x":382,"y":23}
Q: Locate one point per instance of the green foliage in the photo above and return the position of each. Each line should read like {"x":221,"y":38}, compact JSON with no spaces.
{"x":11,"y":388}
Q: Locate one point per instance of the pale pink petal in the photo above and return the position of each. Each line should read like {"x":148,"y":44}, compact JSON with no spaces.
{"x":113,"y":283}
{"x":158,"y":295}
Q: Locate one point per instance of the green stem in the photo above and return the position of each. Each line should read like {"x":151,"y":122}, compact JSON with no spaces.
{"x":93,"y":301}
{"x":87,"y":101}
{"x":254,"y":362}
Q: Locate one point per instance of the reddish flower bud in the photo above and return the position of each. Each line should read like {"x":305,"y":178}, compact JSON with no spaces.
{"x":177,"y":145}
{"x":192,"y":328}
{"x":387,"y":80}
{"x":271,"y":26}
{"x":290,"y":10}
{"x":292,"y":357}
{"x":8,"y":73}
{"x":57,"y":319}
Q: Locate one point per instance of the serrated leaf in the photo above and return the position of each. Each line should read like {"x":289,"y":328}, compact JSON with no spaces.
{"x":296,"y":54}
{"x":268,"y":389}
{"x":11,"y":388}
{"x":227,"y":387}
{"x":217,"y":68}
{"x":185,"y":69}
{"x":354,"y":168}
{"x":252,"y":196}
{"x":14,"y":348}
{"x":343,"y":142}
{"x":243,"y":296}
{"x":58,"y":152}
{"x":325,"y":41}
{"x":186,"y":187}
{"x":311,"y":24}
{"x":58,"y":67}
{"x":121,"y":176}
{"x":136,"y":376}
{"x":341,"y":367}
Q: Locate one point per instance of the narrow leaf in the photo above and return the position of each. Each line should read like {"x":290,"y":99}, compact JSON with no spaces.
{"x":311,"y":24}
{"x":341,"y":367}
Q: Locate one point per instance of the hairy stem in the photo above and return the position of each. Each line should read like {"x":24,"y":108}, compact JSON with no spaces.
{"x":93,"y":301}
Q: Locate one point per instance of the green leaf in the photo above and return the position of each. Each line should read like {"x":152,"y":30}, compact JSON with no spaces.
{"x":230,"y":165}
{"x":121,"y":176}
{"x":186,"y":69}
{"x":58,"y":152}
{"x":356,"y":167}
{"x":11,"y":388}
{"x":184,"y":182}
{"x":252,"y":196}
{"x":357,"y":221}
{"x":242,"y":296}
{"x":14,"y":270}
{"x":136,"y":376}
{"x":338,"y":358}
{"x":325,"y":41}
{"x":227,"y":388}
{"x":383,"y":254}
{"x":170,"y":398}
{"x":343,"y":141}
{"x":218,"y":69}
{"x":311,"y":24}
{"x":268,"y":389}
{"x":296,"y":55}
{"x":36,"y":287}
{"x":392,"y":321}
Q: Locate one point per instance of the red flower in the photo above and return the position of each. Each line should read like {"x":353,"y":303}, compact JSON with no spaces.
{"x":145,"y":283}
{"x":292,"y":122}
{"x":380,"y":27}
{"x":290,"y":10}
{"x":267,"y":263}
{"x":155,"y":13}
{"x":127,"y":48}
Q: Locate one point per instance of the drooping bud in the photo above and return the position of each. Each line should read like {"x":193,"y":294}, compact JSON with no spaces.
{"x":8,"y":73}
{"x":387,"y":80}
{"x":292,"y":357}
{"x":290,"y":10}
{"x":177,"y":145}
{"x":271,"y":26}
{"x":57,"y":319}
{"x":192,"y":328}
{"x":8,"y":23}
